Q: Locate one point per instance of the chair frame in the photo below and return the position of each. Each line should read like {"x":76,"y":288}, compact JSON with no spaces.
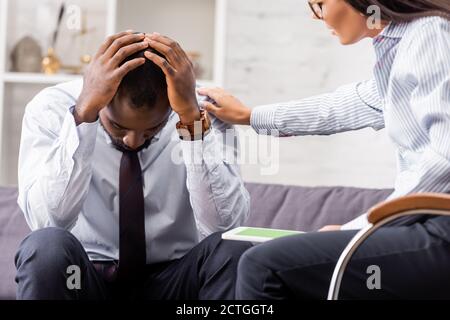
{"x":379,"y":216}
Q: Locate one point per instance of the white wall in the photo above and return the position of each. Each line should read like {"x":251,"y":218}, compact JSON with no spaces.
{"x":276,"y":52}
{"x":190,"y":22}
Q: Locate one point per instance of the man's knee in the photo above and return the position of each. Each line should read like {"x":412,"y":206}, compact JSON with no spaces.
{"x":226,"y":248}
{"x":51,"y":246}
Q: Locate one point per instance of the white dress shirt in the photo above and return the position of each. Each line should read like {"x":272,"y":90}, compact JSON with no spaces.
{"x":409,"y":95}
{"x":69,"y":178}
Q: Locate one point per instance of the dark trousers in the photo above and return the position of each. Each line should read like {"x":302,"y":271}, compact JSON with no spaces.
{"x":396,"y":262}
{"x":208,"y":271}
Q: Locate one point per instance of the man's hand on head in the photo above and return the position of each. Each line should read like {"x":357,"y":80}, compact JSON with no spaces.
{"x":105,"y":73}
{"x":180,"y":76}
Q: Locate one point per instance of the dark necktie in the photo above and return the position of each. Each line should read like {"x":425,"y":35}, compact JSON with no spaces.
{"x":132,"y":256}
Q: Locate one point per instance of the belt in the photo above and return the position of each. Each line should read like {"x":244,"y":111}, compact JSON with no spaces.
{"x":107,"y":269}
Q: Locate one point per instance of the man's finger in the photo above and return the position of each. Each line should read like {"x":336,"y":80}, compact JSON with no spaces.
{"x":165,"y":66}
{"x":166,"y":51}
{"x":170,"y":43}
{"x":127,"y":51}
{"x":128,"y":67}
{"x":163,"y":39}
{"x":109,"y":41}
{"x":122,"y":42}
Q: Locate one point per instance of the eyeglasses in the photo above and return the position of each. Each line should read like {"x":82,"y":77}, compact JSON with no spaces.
{"x":316,"y":9}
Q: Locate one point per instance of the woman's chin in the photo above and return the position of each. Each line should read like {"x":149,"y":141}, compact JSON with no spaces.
{"x":346,"y":41}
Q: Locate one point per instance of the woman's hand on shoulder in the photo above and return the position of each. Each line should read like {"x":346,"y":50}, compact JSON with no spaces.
{"x":225,"y":106}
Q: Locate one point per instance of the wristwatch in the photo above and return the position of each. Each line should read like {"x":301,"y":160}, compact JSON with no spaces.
{"x":197,"y":130}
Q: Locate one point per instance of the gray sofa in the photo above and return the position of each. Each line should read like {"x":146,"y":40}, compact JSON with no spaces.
{"x":277,"y":206}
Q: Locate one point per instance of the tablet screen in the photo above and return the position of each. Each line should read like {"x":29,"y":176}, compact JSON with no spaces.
{"x":266,"y":233}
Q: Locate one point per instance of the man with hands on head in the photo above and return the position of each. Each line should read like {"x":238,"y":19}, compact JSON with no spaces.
{"x":102,"y":190}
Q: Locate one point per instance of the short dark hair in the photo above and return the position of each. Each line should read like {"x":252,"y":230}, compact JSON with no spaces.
{"x":145,"y":84}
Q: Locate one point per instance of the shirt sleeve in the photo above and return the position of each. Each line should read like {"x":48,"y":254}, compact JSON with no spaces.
{"x":54,"y":163}
{"x":350,"y":107}
{"x":218,"y":196}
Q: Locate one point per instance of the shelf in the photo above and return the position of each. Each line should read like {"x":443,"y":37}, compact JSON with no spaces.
{"x":37,"y":78}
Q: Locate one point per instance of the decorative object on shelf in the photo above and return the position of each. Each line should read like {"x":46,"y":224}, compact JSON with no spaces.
{"x":71,"y":69}
{"x":83,"y":35}
{"x":195,"y":56}
{"x":82,"y":38}
{"x":86,"y":59}
{"x":51,"y":63}
{"x":26,"y":56}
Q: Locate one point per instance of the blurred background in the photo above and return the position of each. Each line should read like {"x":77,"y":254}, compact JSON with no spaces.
{"x":263,"y":51}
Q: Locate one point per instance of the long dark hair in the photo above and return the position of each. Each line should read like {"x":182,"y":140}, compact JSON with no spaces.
{"x":404,"y":10}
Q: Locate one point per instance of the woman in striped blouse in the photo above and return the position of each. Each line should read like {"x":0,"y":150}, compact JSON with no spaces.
{"x":409,"y":95}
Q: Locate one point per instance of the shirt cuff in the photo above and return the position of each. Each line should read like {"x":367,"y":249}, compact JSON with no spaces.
{"x":200,"y":152}
{"x":81,"y":139}
{"x":263,"y":118}
{"x":356,"y":224}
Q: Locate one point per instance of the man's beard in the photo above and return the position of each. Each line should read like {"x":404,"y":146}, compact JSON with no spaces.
{"x":119,"y":145}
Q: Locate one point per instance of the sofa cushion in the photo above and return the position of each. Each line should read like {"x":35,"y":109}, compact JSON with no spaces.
{"x":308,"y":208}
{"x":13,"y":229}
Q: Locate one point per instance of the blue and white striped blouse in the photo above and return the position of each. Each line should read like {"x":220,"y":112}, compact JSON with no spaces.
{"x":409,"y":95}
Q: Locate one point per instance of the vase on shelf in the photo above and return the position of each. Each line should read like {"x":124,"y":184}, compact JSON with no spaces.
{"x":26,"y":56}
{"x":51,"y":63}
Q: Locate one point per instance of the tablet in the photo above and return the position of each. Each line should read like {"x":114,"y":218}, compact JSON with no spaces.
{"x":257,"y":234}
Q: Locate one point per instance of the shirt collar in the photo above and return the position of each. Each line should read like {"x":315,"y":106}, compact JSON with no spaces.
{"x":393,"y":30}
{"x":155,"y":138}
